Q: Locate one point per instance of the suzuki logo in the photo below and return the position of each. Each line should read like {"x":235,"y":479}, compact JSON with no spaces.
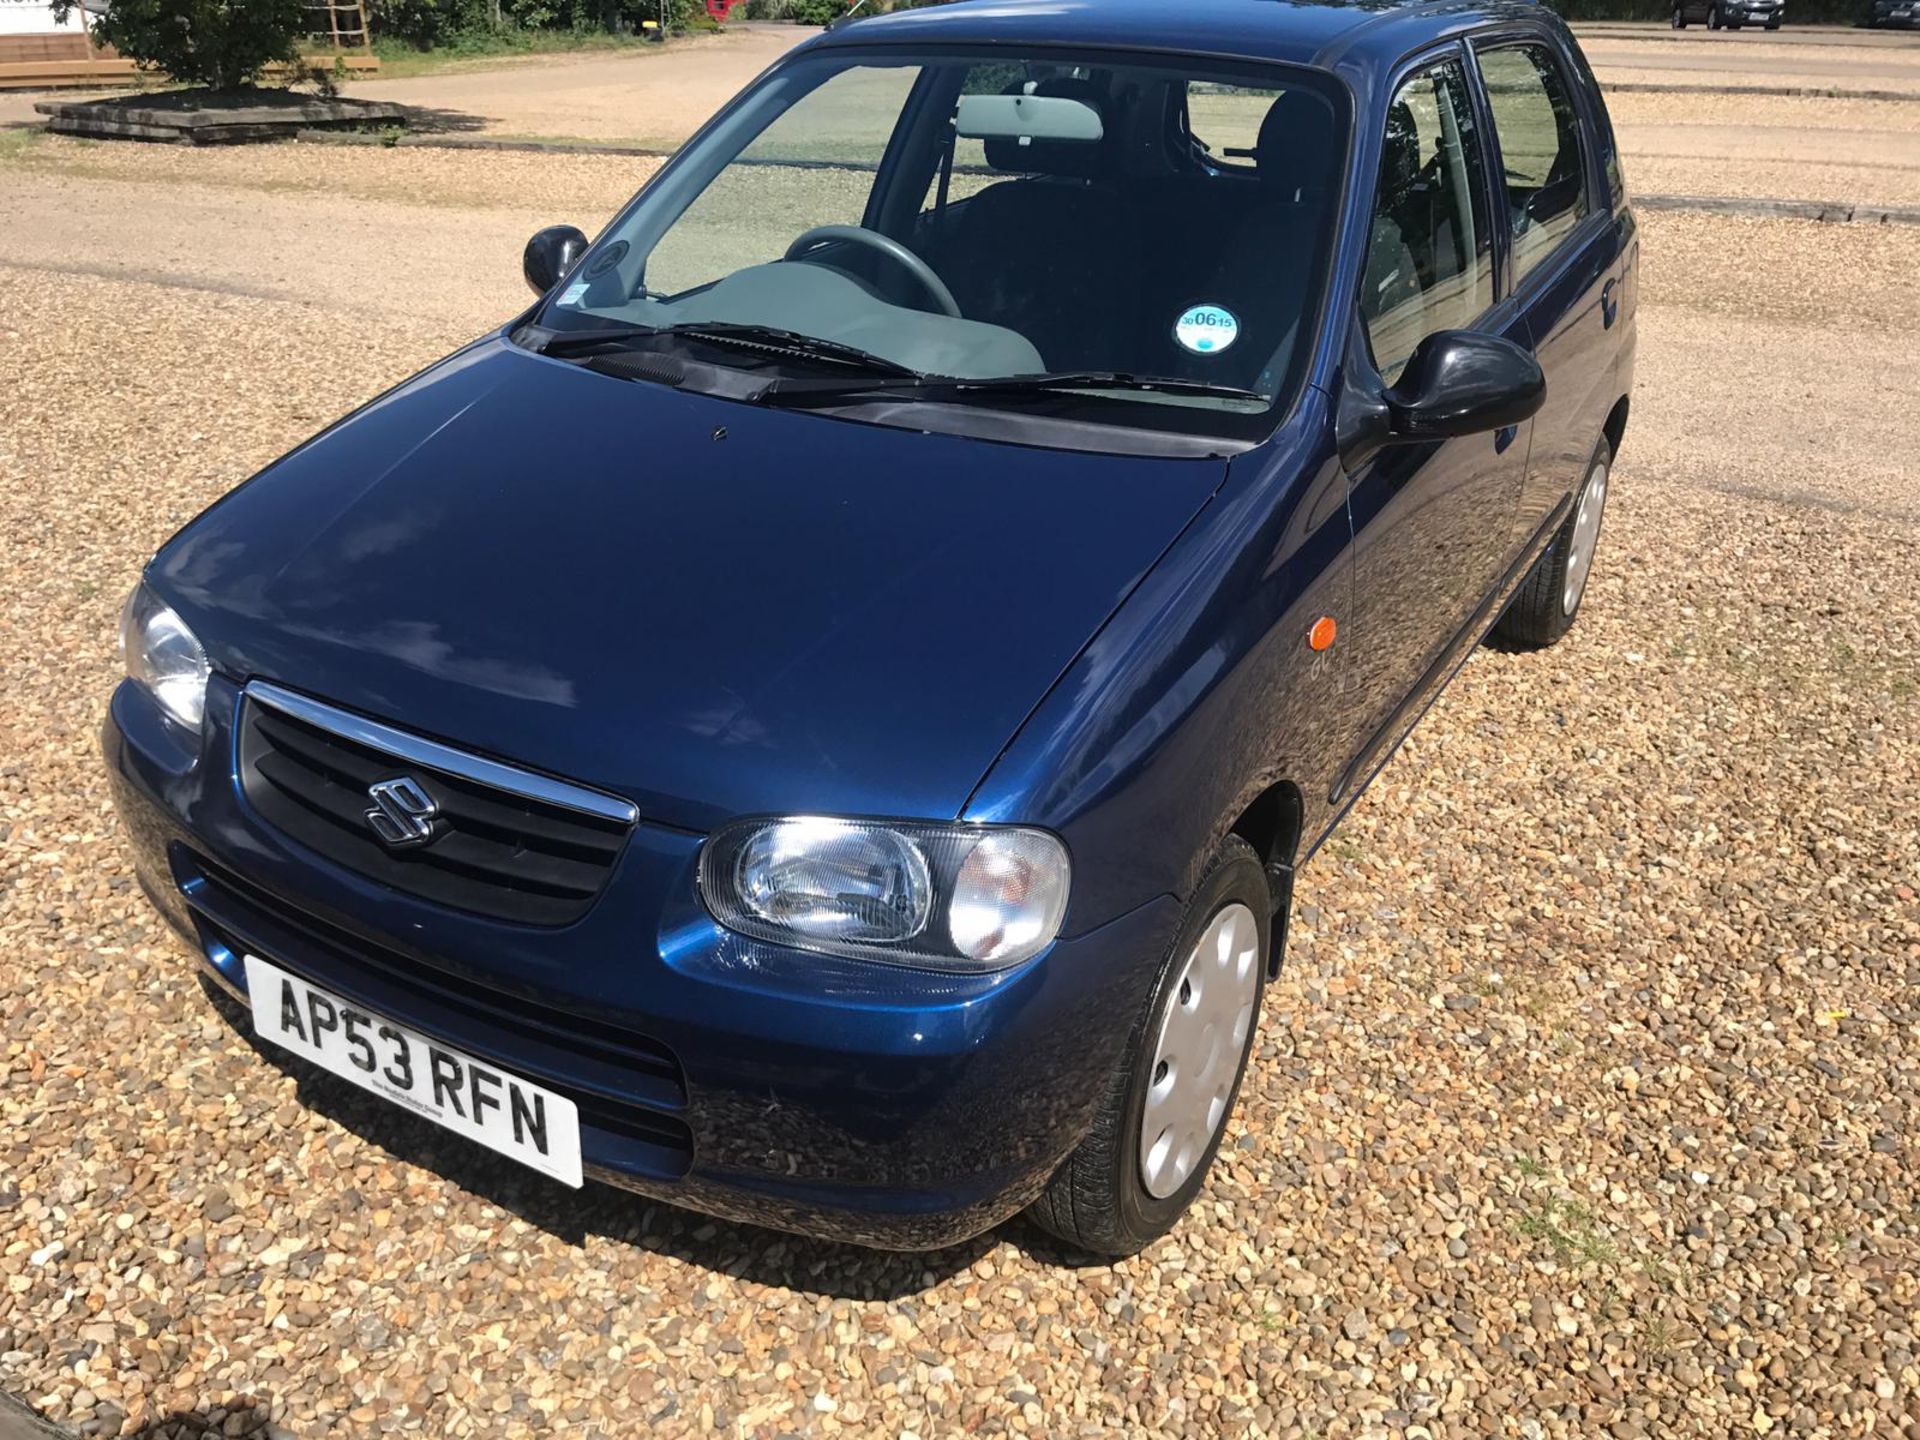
{"x":403,"y":813}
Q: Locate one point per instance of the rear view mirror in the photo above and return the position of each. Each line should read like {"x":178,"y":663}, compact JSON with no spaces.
{"x":550,"y":255}
{"x":1463,"y":382}
{"x":1027,"y":118}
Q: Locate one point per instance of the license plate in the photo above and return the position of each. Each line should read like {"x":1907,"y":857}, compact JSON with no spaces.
{"x":470,"y":1097}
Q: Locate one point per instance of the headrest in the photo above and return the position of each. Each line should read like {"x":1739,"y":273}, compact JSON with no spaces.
{"x":1077,"y":159}
{"x":1295,"y":150}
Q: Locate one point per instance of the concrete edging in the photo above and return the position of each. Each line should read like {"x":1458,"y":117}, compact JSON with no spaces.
{"x":1831,"y":212}
{"x":17,"y":1422}
{"x":1826,"y":212}
{"x":1771,"y":92}
{"x":473,"y":142}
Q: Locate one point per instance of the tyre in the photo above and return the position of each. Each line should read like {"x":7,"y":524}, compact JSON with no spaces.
{"x":1544,"y":607}
{"x":1679,"y":18}
{"x":1167,"y":1102}
{"x":1773,"y":25}
{"x":1713,"y":17}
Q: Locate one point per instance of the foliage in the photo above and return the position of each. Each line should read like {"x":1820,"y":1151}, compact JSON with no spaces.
{"x":224,"y":44}
{"x":470,"y":24}
{"x":1800,"y":12}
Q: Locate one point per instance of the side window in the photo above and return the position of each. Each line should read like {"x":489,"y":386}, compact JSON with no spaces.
{"x":1430,"y":252}
{"x":1603,"y":129}
{"x":1539,"y":134}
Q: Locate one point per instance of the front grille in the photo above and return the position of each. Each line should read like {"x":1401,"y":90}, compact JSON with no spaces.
{"x":504,"y":843}
{"x":629,"y":1088}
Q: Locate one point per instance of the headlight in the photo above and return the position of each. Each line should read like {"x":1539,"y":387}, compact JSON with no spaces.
{"x":941,"y":897}
{"x":163,"y":656}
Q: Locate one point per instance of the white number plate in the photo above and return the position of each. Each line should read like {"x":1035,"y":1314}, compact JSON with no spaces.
{"x":521,"y":1120}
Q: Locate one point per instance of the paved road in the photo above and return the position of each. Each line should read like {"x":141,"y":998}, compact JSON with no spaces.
{"x":647,"y":97}
{"x":1796,"y":149}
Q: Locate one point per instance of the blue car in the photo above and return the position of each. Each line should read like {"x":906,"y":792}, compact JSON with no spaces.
{"x":817,"y":720}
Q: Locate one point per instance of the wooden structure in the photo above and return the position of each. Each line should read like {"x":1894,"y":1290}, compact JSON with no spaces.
{"x":70,"y":57}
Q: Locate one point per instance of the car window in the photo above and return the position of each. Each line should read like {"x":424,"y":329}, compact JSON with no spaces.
{"x":814,"y":165}
{"x":1226,"y":120}
{"x":1429,"y":253}
{"x":993,"y":214}
{"x":1602,"y":130}
{"x":1539,"y":135}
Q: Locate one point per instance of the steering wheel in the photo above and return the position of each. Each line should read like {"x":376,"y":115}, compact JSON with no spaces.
{"x":881,"y":244}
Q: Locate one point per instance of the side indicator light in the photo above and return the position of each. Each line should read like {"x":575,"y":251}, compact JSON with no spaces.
{"x":1320,"y":637}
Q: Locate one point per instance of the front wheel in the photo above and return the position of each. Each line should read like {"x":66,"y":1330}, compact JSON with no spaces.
{"x":1542,"y":609}
{"x":1679,"y":18}
{"x":1166,"y":1106}
{"x":1713,"y":17}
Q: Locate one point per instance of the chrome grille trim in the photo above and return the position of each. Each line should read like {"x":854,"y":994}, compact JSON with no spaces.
{"x":402,"y":746}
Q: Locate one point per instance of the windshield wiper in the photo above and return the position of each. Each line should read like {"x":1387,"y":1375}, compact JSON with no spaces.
{"x":933,"y":387}
{"x":766,"y":339}
{"x":772,"y":339}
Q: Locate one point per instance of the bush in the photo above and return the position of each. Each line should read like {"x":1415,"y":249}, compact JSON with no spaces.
{"x":430,"y":24}
{"x":224,"y":44}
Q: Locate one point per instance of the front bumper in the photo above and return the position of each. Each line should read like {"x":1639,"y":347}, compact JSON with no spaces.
{"x":845,"y":1100}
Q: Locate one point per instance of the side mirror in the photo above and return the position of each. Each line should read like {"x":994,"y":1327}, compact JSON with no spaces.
{"x":550,"y":255}
{"x":1463,"y":382}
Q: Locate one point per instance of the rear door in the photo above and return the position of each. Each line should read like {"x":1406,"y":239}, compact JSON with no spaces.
{"x":1564,"y":260}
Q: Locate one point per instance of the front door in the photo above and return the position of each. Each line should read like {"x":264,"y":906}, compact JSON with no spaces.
{"x":1431,"y":520}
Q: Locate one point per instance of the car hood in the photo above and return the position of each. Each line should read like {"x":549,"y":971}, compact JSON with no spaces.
{"x":709,"y":607}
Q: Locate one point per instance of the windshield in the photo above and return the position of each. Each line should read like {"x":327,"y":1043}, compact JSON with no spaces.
{"x":1138,"y":242}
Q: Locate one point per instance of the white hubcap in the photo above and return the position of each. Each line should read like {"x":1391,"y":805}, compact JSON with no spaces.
{"x":1197,"y":1057}
{"x":1586,"y":534}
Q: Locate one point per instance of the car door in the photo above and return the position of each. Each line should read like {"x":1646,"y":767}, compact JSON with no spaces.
{"x":1431,"y":519}
{"x":1564,"y":260}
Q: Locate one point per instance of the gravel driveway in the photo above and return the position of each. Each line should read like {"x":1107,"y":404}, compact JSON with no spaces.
{"x":1584,"y":1108}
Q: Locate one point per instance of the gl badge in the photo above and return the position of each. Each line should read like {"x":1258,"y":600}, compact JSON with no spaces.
{"x":403,"y":813}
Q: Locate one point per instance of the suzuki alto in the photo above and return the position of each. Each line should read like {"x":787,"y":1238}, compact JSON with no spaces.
{"x":817,"y":720}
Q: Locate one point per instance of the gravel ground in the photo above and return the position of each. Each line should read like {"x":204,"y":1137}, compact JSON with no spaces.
{"x":1584,"y":1107}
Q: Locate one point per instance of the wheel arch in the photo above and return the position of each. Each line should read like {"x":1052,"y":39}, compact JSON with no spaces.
{"x":1615,"y":428}
{"x":1272,"y":823}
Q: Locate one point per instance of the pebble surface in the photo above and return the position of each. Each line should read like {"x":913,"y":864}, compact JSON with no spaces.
{"x":1585,"y":1106}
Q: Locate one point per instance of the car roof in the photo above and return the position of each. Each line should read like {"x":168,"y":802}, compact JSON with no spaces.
{"x":1295,"y":31}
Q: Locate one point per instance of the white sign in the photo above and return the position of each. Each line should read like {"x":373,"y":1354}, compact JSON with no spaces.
{"x":35,"y":17}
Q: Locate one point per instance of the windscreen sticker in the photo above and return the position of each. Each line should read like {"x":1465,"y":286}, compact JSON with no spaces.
{"x":1207,"y":330}
{"x":574,"y":293}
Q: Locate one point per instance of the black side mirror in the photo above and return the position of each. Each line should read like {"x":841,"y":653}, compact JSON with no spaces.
{"x":550,"y":255}
{"x":1463,"y":382}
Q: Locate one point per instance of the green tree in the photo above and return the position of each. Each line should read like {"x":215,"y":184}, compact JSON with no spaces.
{"x":224,"y":44}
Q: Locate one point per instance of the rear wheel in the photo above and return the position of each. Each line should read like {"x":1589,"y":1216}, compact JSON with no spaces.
{"x":1679,"y":18}
{"x":1167,"y":1102}
{"x":1543,"y":608}
{"x":1713,"y":17}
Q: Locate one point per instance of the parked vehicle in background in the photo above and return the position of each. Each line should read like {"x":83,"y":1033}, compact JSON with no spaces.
{"x":817,"y":720}
{"x":1895,"y":14}
{"x":1728,"y":14}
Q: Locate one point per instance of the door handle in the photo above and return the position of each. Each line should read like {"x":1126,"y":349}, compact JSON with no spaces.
{"x":1609,"y":306}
